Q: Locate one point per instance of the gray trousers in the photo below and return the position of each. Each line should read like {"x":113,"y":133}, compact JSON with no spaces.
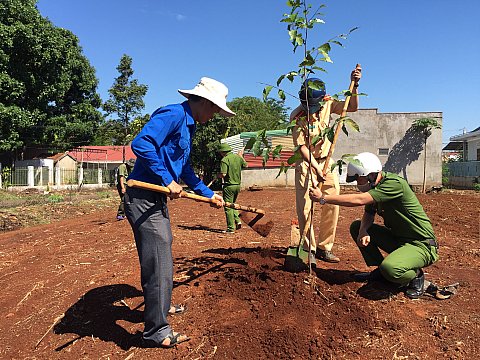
{"x":147,"y":214}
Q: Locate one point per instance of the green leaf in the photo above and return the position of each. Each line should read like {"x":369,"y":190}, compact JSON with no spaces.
{"x":280,"y":79}
{"x":330,"y":134}
{"x":336,"y":42}
{"x":294,"y":158}
{"x":250,"y":143}
{"x":352,"y":124}
{"x":299,"y":40}
{"x":291,"y":75}
{"x":277,"y":151}
{"x":316,"y":139}
{"x":308,"y":60}
{"x":293,"y":35}
{"x":266,"y":91}
{"x":281,"y":94}
{"x":319,"y":68}
{"x":256,"y":148}
{"x":316,"y":85}
{"x":324,"y":49}
{"x":344,"y":129}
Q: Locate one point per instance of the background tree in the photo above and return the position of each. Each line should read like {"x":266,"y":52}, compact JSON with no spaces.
{"x":425,"y":127}
{"x":252,"y":114}
{"x":126,"y":101}
{"x":47,"y":86}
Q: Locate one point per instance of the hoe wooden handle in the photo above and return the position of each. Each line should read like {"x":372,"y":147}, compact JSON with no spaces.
{"x":183,"y":194}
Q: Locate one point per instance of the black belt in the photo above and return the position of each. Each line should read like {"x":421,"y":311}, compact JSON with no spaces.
{"x":432,"y":242}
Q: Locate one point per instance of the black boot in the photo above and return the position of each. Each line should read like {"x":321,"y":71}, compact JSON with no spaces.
{"x":366,"y":277}
{"x":415,"y":287}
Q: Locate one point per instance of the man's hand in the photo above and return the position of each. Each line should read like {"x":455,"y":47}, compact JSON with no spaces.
{"x":175,"y":190}
{"x":124,"y":190}
{"x":363,"y":240}
{"x":219,"y":201}
{"x":315,"y":194}
{"x":356,"y":74}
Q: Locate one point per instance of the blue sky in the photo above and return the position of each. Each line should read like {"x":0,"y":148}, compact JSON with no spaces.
{"x":417,"y":55}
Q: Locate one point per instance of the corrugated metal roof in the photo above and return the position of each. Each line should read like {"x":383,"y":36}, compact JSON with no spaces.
{"x":102,"y":153}
{"x":269,"y":133}
{"x":256,"y":162}
{"x":235,"y":142}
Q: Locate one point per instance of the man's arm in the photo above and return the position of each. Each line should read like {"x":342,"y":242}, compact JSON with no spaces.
{"x":363,"y":239}
{"x":337,"y":106}
{"x":350,"y":200}
{"x":121,"y":181}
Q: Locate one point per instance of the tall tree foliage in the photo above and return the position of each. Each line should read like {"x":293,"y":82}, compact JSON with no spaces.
{"x":252,"y":114}
{"x":425,"y":127}
{"x":47,"y":86}
{"x":126,"y":100}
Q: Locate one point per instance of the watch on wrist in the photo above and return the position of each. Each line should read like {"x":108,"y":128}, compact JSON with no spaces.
{"x":323,"y":201}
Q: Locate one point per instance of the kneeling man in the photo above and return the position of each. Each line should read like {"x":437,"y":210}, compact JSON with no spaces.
{"x":407,"y":236}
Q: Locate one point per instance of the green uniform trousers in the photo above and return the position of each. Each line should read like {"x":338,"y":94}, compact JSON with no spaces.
{"x":230,"y":194}
{"x":403,"y":259}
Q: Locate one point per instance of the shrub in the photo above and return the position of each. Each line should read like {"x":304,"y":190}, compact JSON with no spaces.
{"x":55,"y":198}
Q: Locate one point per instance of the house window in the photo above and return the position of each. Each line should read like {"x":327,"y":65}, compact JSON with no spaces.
{"x":478,"y":154}
{"x":383,"y":151}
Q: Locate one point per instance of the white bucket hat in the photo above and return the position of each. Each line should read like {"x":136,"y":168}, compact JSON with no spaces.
{"x":212,"y":90}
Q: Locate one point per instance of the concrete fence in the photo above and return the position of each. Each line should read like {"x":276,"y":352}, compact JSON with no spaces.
{"x":463,"y":174}
{"x":45,"y":178}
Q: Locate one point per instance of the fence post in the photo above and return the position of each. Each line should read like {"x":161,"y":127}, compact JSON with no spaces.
{"x":100,"y":177}
{"x":80,"y":176}
{"x":58,"y":176}
{"x":31,"y":176}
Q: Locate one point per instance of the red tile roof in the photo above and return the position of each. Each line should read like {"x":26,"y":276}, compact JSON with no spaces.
{"x":102,"y":153}
{"x":256,"y":162}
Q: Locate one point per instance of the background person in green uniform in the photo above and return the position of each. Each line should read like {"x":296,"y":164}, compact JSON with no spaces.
{"x":231,"y":167}
{"x":407,"y":235}
{"x":122,"y":174}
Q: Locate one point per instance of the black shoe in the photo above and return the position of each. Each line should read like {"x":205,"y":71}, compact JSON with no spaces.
{"x":370,"y":276}
{"x":415,"y":287}
{"x":327,"y":256}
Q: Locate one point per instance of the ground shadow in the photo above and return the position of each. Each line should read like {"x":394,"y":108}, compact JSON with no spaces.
{"x":376,"y":290}
{"x":96,"y":314}
{"x":404,"y":152}
{"x":334,"y":276}
{"x":200,"y":227}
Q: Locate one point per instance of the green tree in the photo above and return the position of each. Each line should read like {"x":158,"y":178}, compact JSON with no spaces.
{"x":425,"y":126}
{"x":252,"y":114}
{"x":47,"y":86}
{"x":125,"y":101}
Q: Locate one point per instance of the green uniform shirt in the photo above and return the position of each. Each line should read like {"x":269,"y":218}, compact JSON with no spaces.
{"x":122,"y":171}
{"x":232,"y":165}
{"x":400,"y":209}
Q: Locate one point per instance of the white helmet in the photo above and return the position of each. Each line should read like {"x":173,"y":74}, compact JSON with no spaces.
{"x":363,"y":164}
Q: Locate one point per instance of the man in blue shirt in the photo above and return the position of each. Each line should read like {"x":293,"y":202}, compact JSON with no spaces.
{"x":163,"y":157}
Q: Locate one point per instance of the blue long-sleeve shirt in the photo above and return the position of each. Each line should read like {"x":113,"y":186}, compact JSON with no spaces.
{"x":163,"y":149}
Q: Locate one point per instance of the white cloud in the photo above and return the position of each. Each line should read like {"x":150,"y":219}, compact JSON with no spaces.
{"x":180,"y":17}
